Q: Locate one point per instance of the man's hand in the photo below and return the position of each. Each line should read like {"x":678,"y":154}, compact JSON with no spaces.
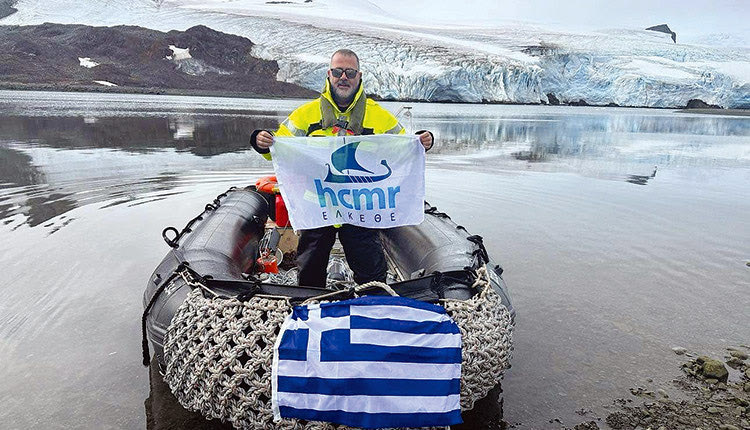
{"x":264,"y":139}
{"x":425,"y":139}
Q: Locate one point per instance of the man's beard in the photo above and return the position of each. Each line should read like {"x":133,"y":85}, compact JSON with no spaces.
{"x":340,"y":99}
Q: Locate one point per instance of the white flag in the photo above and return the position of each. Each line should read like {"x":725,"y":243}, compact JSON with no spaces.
{"x":374,"y":181}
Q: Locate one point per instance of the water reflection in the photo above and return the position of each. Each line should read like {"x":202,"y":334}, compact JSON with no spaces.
{"x":641,"y":179}
{"x":16,"y":168}
{"x":55,"y":152}
{"x":645,"y":138}
{"x":184,"y":128}
{"x":48,"y":168}
{"x":163,"y":411}
{"x":41,"y":209}
{"x":199,"y":135}
{"x":101,"y":172}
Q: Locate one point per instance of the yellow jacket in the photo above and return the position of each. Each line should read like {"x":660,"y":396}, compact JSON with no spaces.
{"x":321,"y":117}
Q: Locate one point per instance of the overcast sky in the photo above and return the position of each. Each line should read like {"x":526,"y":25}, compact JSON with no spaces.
{"x":686,"y":17}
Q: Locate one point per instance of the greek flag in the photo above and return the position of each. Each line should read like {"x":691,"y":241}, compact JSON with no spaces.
{"x":369,"y":362}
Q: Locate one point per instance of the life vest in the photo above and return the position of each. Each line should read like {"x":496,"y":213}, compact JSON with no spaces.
{"x":321,"y":117}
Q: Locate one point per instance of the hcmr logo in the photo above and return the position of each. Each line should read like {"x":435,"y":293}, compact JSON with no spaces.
{"x":345,"y":169}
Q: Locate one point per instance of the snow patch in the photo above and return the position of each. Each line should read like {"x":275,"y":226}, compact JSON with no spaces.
{"x":657,"y":67}
{"x":179,"y":53}
{"x":106,"y":84}
{"x":87,"y":62}
{"x":737,"y":70}
{"x":189,"y":65}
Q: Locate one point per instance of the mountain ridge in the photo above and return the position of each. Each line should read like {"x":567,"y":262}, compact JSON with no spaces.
{"x":135,"y":59}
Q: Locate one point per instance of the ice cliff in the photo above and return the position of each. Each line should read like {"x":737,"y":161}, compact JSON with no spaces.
{"x":513,"y":63}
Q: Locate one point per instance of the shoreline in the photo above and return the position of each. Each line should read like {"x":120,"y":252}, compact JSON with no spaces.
{"x":239,"y":94}
{"x":4,"y":86}
{"x":727,"y":112}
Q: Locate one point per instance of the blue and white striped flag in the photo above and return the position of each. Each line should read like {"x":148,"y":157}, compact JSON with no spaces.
{"x":369,"y":362}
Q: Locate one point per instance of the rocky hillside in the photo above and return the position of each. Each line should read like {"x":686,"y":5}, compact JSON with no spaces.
{"x":128,"y":58}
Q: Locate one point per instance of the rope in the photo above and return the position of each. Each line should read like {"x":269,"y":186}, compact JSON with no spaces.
{"x":433,"y":210}
{"x":481,"y":252}
{"x":377,"y":284}
{"x":486,"y":338}
{"x":352,"y":292}
{"x":219,"y":352}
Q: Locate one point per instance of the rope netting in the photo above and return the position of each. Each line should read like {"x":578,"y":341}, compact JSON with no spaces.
{"x":219,"y":354}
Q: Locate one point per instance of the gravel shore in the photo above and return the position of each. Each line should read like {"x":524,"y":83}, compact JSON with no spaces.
{"x":712,"y":394}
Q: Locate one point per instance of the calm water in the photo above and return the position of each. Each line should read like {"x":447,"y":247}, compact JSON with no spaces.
{"x":623,"y":232}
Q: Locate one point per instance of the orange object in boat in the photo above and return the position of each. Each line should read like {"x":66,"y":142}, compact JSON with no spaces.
{"x":267,"y":184}
{"x":267,"y":264}
{"x":282,"y":216}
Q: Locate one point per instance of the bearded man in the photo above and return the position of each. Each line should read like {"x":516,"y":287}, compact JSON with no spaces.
{"x":341,"y":109}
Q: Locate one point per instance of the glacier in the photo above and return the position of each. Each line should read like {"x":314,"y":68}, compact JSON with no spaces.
{"x":459,"y":62}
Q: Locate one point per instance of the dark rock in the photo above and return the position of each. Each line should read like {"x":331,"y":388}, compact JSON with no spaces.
{"x":735,"y":362}
{"x":580,"y":102}
{"x":135,"y":57}
{"x":6,"y":8}
{"x":664,"y":28}
{"x":588,"y":425}
{"x":539,"y":50}
{"x":530,"y":156}
{"x":738,"y":354}
{"x":487,"y":412}
{"x":713,"y":369}
{"x":619,"y":420}
{"x":553,"y":100}
{"x":700,"y":104}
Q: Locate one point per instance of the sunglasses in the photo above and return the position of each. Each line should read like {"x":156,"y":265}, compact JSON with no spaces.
{"x":350,"y":73}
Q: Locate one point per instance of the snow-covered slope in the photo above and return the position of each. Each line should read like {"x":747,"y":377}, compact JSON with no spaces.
{"x":407,"y":58}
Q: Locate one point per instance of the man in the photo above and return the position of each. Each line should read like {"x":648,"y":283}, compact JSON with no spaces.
{"x":341,"y":109}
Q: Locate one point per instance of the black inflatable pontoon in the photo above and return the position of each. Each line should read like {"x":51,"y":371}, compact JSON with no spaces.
{"x":218,"y":249}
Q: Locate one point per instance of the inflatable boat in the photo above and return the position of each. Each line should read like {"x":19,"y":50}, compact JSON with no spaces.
{"x":214,"y":305}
